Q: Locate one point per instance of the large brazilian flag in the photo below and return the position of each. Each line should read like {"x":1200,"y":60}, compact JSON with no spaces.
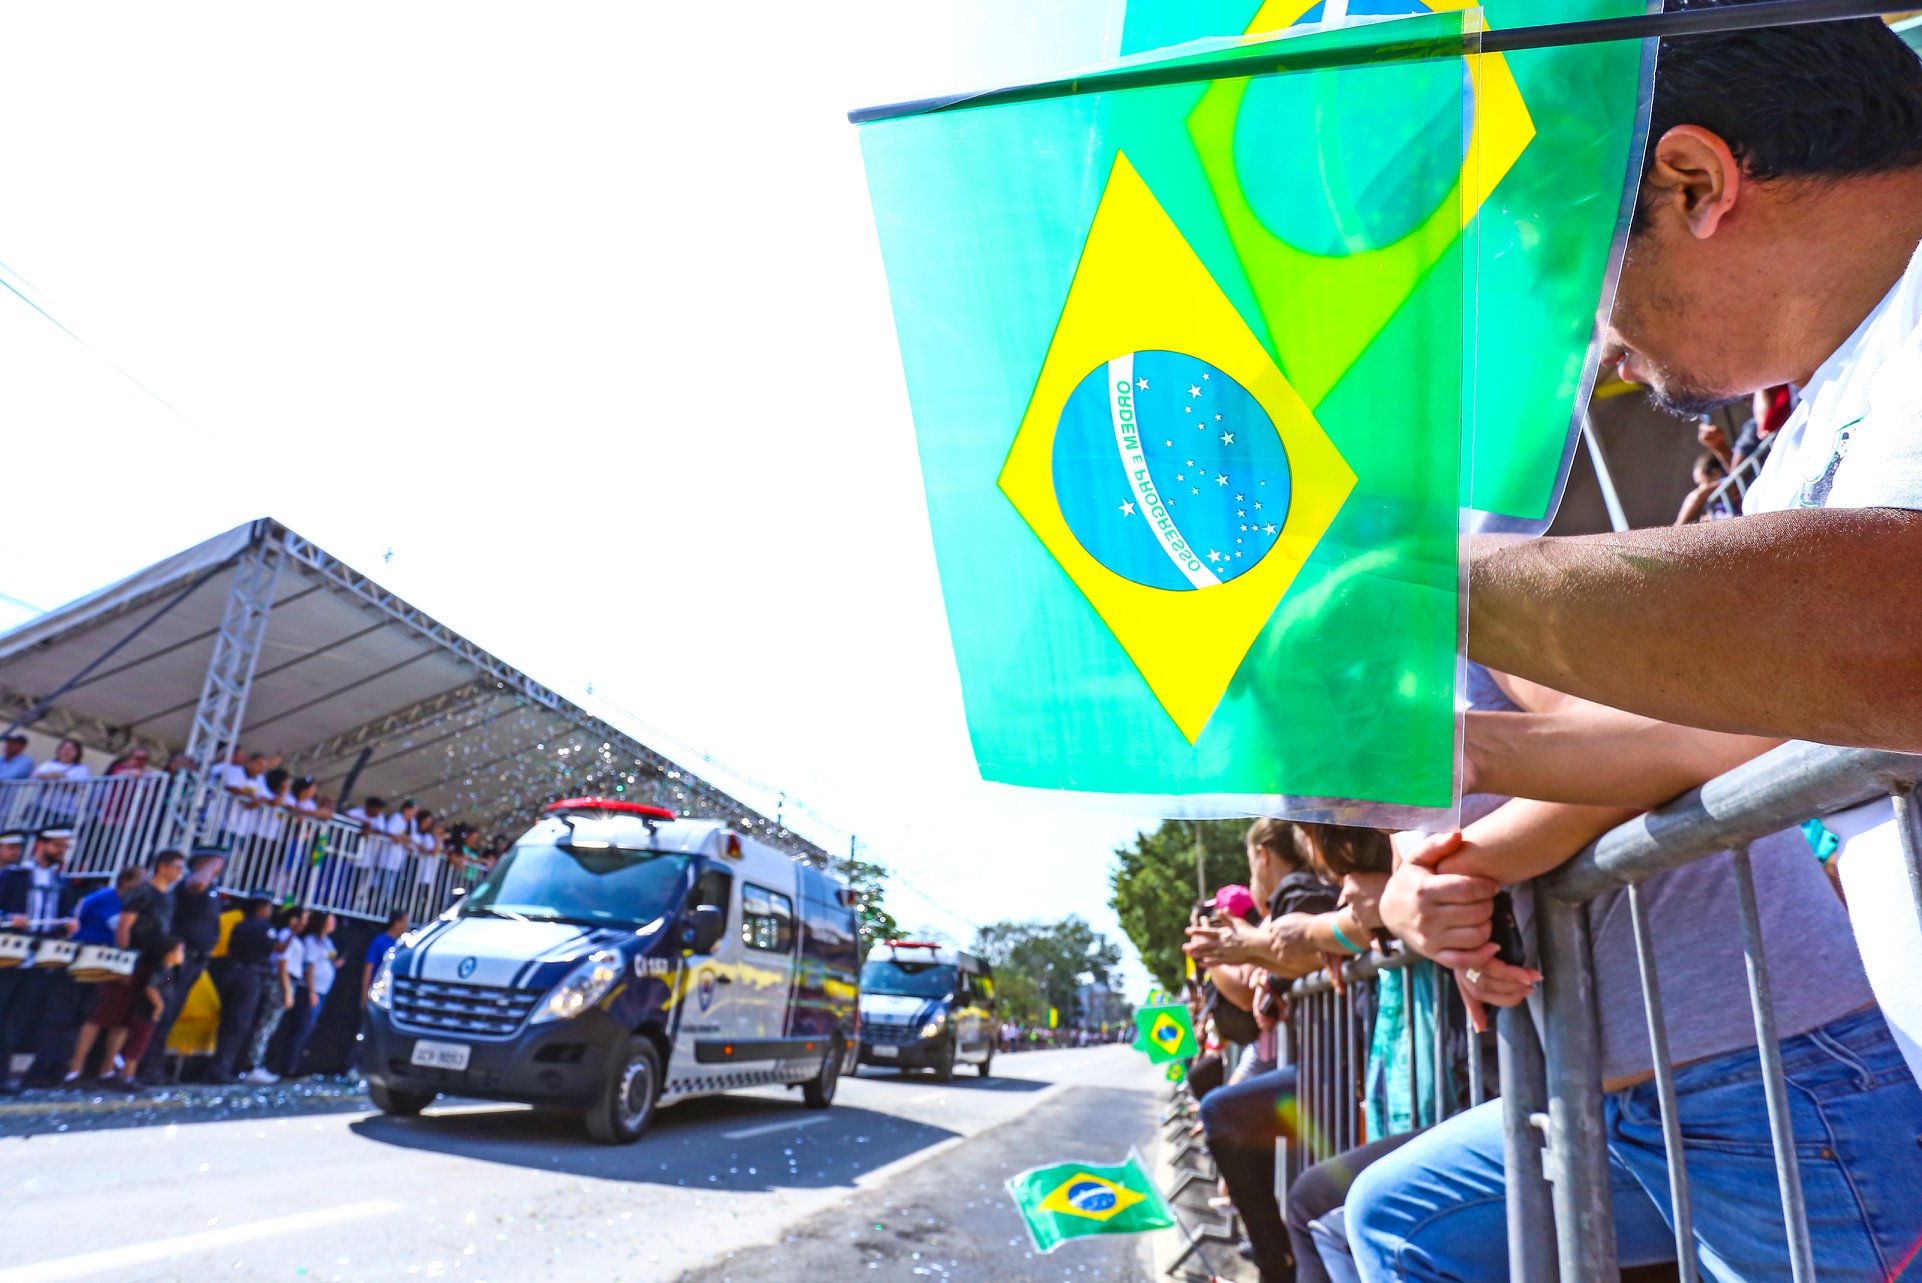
{"x":1189,"y":353}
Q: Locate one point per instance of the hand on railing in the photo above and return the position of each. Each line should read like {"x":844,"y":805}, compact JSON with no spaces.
{"x":1444,"y":916}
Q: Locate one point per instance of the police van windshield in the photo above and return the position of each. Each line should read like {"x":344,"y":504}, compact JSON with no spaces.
{"x":907,"y":979}
{"x":545,"y":883}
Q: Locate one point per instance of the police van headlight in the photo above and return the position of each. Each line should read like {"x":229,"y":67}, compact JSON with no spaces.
{"x":584,"y":986}
{"x":935,"y":1025}
{"x":381,"y":992}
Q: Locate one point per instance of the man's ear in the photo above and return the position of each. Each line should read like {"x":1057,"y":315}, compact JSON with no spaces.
{"x":1695,"y":178}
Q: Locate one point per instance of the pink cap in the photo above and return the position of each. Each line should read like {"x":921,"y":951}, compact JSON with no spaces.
{"x":1235,"y":901}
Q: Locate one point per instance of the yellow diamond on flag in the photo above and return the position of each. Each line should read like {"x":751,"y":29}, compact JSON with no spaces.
{"x":1166,"y":1031}
{"x":1091,"y":1197}
{"x":1381,"y":221}
{"x":1164,"y":460}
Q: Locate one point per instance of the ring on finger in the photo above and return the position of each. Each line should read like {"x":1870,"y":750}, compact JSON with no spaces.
{"x":1474,"y":975}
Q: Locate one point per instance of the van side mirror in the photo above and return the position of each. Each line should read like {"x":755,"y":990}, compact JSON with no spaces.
{"x":705,"y":926}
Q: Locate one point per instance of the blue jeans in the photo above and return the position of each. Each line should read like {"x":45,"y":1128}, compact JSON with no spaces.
{"x":1434,"y":1209}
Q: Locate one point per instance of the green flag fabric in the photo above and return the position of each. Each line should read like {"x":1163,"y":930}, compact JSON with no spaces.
{"x":1202,"y":371}
{"x":1066,"y":1201}
{"x":1187,"y":552}
{"x":1549,"y":232}
{"x":1165,"y":1033}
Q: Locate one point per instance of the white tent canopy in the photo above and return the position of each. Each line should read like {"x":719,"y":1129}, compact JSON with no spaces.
{"x":346,"y":674}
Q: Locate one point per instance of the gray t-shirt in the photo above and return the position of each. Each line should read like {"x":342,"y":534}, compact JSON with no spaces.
{"x":1814,"y":970}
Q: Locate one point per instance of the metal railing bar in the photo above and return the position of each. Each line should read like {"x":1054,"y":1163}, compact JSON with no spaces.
{"x":1788,"y":1171}
{"x":1778,"y":790}
{"x":1441,"y":1050}
{"x":1414,"y":1048}
{"x":1475,"y":1087}
{"x":1908,"y":819}
{"x":1680,"y":1204}
{"x":1531,"y":1218}
{"x":1578,"y":1134}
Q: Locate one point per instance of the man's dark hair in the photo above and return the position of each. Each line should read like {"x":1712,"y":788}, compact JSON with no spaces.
{"x":127,"y":876}
{"x":167,"y":857}
{"x":254,"y":905}
{"x":374,"y":801}
{"x":1816,"y":100}
{"x":397,"y":917}
{"x":201,"y":859}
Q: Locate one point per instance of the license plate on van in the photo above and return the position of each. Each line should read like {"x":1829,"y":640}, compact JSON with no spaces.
{"x":441,"y":1055}
{"x":884,"y":1052}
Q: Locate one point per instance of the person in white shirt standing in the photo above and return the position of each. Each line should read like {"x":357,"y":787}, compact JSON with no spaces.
{"x":1775,"y":241}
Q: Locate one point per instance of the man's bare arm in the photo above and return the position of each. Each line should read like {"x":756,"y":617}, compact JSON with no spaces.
{"x":1584,"y":753}
{"x":1825,"y":604}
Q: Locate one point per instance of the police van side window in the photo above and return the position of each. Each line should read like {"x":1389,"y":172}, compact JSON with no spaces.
{"x":712,"y":887}
{"x":767,"y":919}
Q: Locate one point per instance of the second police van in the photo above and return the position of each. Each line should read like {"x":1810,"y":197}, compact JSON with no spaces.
{"x":925,"y":1006}
{"x":619,"y":958}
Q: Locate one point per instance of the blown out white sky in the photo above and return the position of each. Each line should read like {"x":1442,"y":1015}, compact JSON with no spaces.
{"x":575,"y":308}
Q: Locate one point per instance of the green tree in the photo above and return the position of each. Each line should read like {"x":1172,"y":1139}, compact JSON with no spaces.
{"x":1152,"y":887}
{"x":869,"y":882}
{"x":1038,"y":965}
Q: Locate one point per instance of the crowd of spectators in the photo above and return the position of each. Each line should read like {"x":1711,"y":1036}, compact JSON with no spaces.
{"x":1786,"y":160}
{"x":259,"y":800}
{"x":270,"y":969}
{"x":1014,"y":1036}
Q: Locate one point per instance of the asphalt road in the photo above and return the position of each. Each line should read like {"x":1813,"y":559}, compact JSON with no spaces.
{"x":901,"y":1179}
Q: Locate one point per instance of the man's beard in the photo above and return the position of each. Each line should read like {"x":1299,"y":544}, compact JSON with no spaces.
{"x":1687,"y":400}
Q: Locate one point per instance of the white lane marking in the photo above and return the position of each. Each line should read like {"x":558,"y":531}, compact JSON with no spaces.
{"x":888,"y":1171}
{"x":922,"y":1100}
{"x":134,"y":1254}
{"x":762,"y":1130}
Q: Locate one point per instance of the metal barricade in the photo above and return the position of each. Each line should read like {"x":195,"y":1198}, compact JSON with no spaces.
{"x":1560,"y":1217}
{"x":1330,"y":1043}
{"x":289,"y":858}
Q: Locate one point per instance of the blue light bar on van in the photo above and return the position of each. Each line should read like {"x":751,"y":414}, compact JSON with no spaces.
{"x":610,"y":804}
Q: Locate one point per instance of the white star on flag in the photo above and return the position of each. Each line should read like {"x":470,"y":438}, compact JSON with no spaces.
{"x":1127,"y":509}
{"x":1194,"y":389}
{"x":1227,"y":438}
{"x":1214,"y":556}
{"x":1221,"y":478}
{"x":1268,"y":529}
{"x":1142,"y":384}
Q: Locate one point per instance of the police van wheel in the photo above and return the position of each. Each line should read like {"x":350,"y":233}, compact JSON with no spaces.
{"x":627,"y":1102}
{"x":986,"y":1062}
{"x":944,"y":1063}
{"x":400,"y":1104}
{"x":818,"y":1091}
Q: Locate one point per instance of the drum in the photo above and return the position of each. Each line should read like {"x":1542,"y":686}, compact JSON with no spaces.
{"x":99,"y":963}
{"x":14,"y":949}
{"x":49,"y":953}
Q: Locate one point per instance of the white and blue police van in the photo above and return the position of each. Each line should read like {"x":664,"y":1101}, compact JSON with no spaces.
{"x":924,"y":1006}
{"x":616,"y":959}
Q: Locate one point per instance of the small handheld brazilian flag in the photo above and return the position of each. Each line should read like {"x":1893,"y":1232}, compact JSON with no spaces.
{"x":1166,"y":1033}
{"x":1074,"y":1200}
{"x":1176,"y":1072}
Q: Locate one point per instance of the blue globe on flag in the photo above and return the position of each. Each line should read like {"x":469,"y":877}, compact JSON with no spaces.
{"x":1169,"y":472}
{"x":1091,"y":1196}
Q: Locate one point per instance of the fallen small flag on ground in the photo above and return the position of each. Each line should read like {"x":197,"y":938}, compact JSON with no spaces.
{"x":1165,"y":1033}
{"x":1074,"y":1200}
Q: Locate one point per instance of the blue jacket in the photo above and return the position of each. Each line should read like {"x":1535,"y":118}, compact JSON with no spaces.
{"x":16,"y":884}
